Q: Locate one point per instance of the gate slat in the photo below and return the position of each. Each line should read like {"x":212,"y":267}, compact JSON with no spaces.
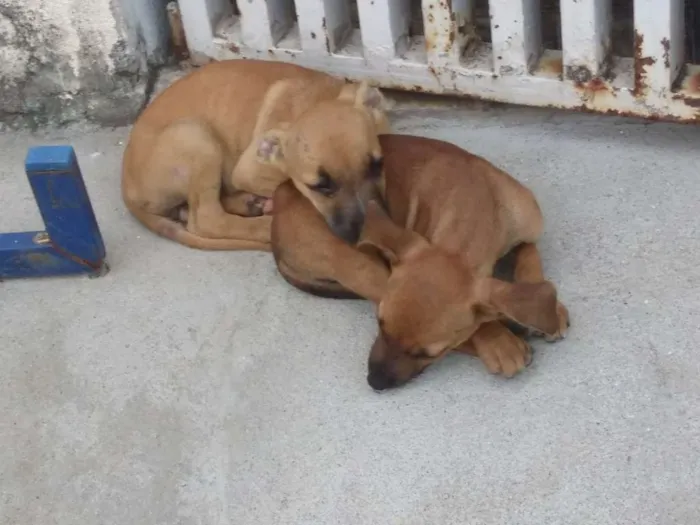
{"x":658,"y":44}
{"x":586,"y":43}
{"x":265,"y":22}
{"x":447,"y":31}
{"x":323,"y":25}
{"x":198,"y":19}
{"x":463,"y":13}
{"x":384,"y":27}
{"x":515,"y":35}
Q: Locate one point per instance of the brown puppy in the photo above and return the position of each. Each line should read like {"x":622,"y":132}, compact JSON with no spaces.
{"x":453,"y":216}
{"x":199,"y":144}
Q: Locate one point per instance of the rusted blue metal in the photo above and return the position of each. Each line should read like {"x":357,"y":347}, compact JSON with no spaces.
{"x":71,"y":242}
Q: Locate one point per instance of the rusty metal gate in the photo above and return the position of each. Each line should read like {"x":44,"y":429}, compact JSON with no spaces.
{"x":632,"y":57}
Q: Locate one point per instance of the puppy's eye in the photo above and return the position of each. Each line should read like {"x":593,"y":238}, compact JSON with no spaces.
{"x":374,"y":170}
{"x":420,"y":353}
{"x":325,"y":185}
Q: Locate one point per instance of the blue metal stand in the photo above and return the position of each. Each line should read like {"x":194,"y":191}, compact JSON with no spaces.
{"x":72,"y":242}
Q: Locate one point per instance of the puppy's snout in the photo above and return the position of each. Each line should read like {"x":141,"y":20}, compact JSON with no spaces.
{"x":380,"y":377}
{"x":348,"y":224}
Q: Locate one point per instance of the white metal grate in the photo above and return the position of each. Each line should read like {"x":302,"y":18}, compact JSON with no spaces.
{"x":377,"y":40}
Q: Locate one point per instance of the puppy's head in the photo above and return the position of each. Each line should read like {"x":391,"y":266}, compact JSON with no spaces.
{"x":433,"y":303}
{"x":333,"y":156}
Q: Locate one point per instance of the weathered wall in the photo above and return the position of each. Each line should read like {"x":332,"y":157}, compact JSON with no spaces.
{"x":68,"y":60}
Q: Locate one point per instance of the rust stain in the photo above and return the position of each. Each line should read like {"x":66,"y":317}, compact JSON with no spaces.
{"x":693,"y":83}
{"x":583,"y":108}
{"x":75,"y":258}
{"x":597,"y":84}
{"x":430,"y":40}
{"x":597,"y":95}
{"x":599,"y":109}
{"x":551,"y":65}
{"x":593,"y":86}
{"x":619,"y":113}
{"x":640,"y":64}
{"x":234,"y":48}
{"x":689,"y":93}
{"x":178,"y":41}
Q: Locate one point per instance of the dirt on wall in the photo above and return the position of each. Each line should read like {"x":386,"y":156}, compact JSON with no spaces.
{"x":67,"y":60}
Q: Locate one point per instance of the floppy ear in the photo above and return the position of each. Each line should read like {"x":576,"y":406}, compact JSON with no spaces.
{"x":393,"y":242}
{"x":533,"y":305}
{"x":365,"y":97}
{"x":271,"y":148}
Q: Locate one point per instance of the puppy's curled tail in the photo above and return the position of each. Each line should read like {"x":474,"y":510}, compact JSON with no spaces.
{"x":175,"y":231}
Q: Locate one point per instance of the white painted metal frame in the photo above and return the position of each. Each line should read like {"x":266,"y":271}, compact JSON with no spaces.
{"x":585,"y":29}
{"x":654,"y":83}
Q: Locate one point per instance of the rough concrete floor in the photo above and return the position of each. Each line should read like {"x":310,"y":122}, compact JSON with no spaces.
{"x":198,"y":388}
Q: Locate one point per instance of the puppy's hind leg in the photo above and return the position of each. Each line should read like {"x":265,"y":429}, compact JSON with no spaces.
{"x":246,"y":204}
{"x":199,"y":156}
{"x":240,"y":203}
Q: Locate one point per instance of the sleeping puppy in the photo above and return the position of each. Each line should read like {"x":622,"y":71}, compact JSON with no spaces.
{"x":193,"y":154}
{"x":427,"y":262}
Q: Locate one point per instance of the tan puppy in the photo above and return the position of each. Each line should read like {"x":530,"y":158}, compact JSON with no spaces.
{"x":454,"y":216}
{"x":196,"y":148}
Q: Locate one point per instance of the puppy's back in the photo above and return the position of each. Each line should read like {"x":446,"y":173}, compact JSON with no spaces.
{"x":455,"y":198}
{"x":236,"y":86}
{"x":433,"y":174}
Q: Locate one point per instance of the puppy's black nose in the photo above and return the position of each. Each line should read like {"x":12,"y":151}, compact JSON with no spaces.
{"x":348,"y":228}
{"x":378,"y":382}
{"x":379,"y":378}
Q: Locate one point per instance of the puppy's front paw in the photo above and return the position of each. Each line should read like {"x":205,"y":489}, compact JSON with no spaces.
{"x":506,"y":356}
{"x":257,"y":206}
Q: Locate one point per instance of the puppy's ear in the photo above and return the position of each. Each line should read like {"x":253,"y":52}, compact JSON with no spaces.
{"x":395,"y":244}
{"x":365,"y":97}
{"x":271,"y":148}
{"x":370,"y":97}
{"x":533,"y":305}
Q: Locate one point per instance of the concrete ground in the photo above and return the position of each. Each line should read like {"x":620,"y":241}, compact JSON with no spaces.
{"x":188,"y":387}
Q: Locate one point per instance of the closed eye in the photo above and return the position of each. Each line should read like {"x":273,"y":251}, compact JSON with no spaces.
{"x":325,"y":185}
{"x":374,"y":169}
